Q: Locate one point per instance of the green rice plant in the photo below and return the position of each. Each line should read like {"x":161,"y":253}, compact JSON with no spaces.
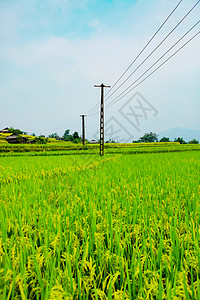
{"x":55,"y":148}
{"x":90,"y":227}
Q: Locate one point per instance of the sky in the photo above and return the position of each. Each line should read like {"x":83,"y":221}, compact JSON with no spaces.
{"x":53,"y":52}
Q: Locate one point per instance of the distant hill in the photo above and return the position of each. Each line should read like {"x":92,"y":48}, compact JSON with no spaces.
{"x":186,"y":134}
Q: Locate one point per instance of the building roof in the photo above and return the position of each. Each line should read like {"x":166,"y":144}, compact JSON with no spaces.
{"x":15,"y":136}
{"x":12,"y":136}
{"x":5,"y":130}
{"x":94,"y":142}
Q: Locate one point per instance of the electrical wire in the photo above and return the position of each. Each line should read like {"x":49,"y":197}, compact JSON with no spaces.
{"x":94,"y":108}
{"x":145,"y":47}
{"x":153,"y":50}
{"x":116,"y":100}
{"x":158,"y":60}
{"x":149,"y":56}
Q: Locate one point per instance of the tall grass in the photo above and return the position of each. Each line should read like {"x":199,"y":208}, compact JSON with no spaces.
{"x":124,"y":227}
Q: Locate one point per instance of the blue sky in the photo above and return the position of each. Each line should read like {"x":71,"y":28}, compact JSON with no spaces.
{"x":71,"y":19}
{"x":53,"y":52}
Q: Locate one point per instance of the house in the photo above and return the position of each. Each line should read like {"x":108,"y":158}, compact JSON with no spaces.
{"x":94,"y":142}
{"x":16,"y":139}
{"x":5,"y":130}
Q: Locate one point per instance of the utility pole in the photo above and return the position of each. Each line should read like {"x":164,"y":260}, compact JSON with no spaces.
{"x":83,"y":128}
{"x":102,"y":86}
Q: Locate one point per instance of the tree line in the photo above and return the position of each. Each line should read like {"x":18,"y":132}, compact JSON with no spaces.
{"x":75,"y":138}
{"x":153,"y":137}
{"x":150,"y":137}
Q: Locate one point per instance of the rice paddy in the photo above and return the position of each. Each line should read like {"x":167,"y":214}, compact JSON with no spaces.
{"x":89,"y":227}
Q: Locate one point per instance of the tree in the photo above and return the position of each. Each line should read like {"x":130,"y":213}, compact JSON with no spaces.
{"x":164,"y":140}
{"x":15,"y":131}
{"x":180,"y":140}
{"x":67,"y":137}
{"x":111,"y":141}
{"x":76,"y":137}
{"x":193,"y":142}
{"x":149,"y":138}
{"x":54,"y":136}
{"x":40,"y":140}
{"x":136,"y":141}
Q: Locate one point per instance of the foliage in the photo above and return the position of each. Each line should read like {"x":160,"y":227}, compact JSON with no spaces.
{"x":194,"y":141}
{"x":180,"y":140}
{"x":164,"y":139}
{"x":54,"y":136}
{"x":149,"y":138}
{"x":76,"y":141}
{"x":112,"y":141}
{"x":67,"y":136}
{"x":40,"y":140}
{"x":15,"y":131}
{"x":76,"y":137}
{"x":137,"y":141}
{"x":71,"y":138}
{"x":66,"y":232}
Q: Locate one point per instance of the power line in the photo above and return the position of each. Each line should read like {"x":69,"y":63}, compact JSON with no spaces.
{"x":153,"y":50}
{"x":139,"y":53}
{"x":149,"y":56}
{"x":116,"y":100}
{"x":157,"y":60}
{"x":145,"y":46}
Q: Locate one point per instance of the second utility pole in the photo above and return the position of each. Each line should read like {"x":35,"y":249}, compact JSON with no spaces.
{"x":102,"y":119}
{"x":83,"y":128}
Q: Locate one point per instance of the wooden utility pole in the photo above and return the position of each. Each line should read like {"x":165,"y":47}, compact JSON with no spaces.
{"x":102,"y":86}
{"x":83,"y":128}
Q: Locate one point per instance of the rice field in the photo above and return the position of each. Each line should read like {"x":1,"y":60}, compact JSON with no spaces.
{"x":69,"y":148}
{"x":90,"y":227}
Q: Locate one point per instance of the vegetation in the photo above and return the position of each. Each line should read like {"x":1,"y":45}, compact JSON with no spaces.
{"x":54,"y":136}
{"x":180,"y":140}
{"x":153,"y":137}
{"x":148,"y":138}
{"x":67,"y":232}
{"x":193,"y":142}
{"x":75,"y":138}
{"x":60,"y":147}
{"x":164,"y":140}
{"x":40,"y":140}
{"x":15,"y":131}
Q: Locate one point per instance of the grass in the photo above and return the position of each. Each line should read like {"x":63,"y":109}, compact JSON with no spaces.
{"x":115,"y":227}
{"x":68,"y":148}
